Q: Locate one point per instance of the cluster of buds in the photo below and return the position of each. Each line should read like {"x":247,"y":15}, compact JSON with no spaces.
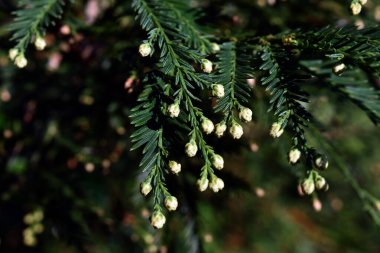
{"x":191,"y":148}
{"x":207,"y":125}
{"x":175,"y":167}
{"x":216,"y":184}
{"x":35,"y":227}
{"x":18,"y":58}
{"x":220,"y":128}
{"x":217,"y":90}
{"x":206,"y":66}
{"x":338,"y":69}
{"x":294,"y":156}
{"x":356,"y":6}
{"x":217,"y":161}
{"x":314,"y":181}
{"x":145,"y":49}
{"x":236,"y":130}
{"x":173,"y":110}
{"x":245,"y":114}
{"x":276,"y":130}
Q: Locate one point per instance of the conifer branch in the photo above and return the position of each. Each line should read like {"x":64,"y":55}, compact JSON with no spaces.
{"x":233,"y":71}
{"x":32,"y":21}
{"x":283,"y":84}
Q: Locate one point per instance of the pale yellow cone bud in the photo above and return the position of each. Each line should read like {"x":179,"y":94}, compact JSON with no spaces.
{"x":157,"y":220}
{"x":145,"y":49}
{"x":206,"y":66}
{"x":245,"y":114}
{"x":171,"y":203}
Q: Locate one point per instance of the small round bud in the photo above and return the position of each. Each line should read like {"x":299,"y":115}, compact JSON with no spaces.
{"x":356,"y":8}
{"x":206,"y":66}
{"x":217,"y":162}
{"x":13,"y":53}
{"x":338,"y":69}
{"x":321,"y":162}
{"x":320,"y":182}
{"x":202,"y":184}
{"x":245,"y":114}
{"x":236,"y":131}
{"x":276,"y":130}
{"x":40,"y":43}
{"x":215,"y":47}
{"x":207,"y":126}
{"x":157,"y":220}
{"x":21,"y":61}
{"x":218,"y":90}
{"x":191,"y":148}
{"x":145,"y":188}
{"x":171,"y":203}
{"x":326,"y":187}
{"x":220,"y":128}
{"x":145,"y":49}
{"x":174,"y":167}
{"x":308,"y":186}
{"x":216,"y":184}
{"x":363,"y":2}
{"x":294,"y":156}
{"x":173,"y":110}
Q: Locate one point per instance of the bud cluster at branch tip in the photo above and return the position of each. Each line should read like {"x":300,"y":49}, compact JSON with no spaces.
{"x":40,"y":43}
{"x":356,"y":7}
{"x":236,"y":131}
{"x":217,"y":161}
{"x":157,"y":220}
{"x":202,"y":184}
{"x":18,"y":58}
{"x":145,"y":49}
{"x":173,"y":110}
{"x":308,"y":186}
{"x":175,"y":167}
{"x":145,"y":188}
{"x":220,"y":128}
{"x":245,"y":114}
{"x":207,"y":125}
{"x":217,"y":90}
{"x":276,"y":130}
{"x":191,"y":148}
{"x":171,"y":203}
{"x":206,"y":66}
{"x":294,"y":156}
{"x":216,"y":184}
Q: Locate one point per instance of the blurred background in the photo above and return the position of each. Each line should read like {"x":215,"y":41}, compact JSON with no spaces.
{"x":69,"y":183}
